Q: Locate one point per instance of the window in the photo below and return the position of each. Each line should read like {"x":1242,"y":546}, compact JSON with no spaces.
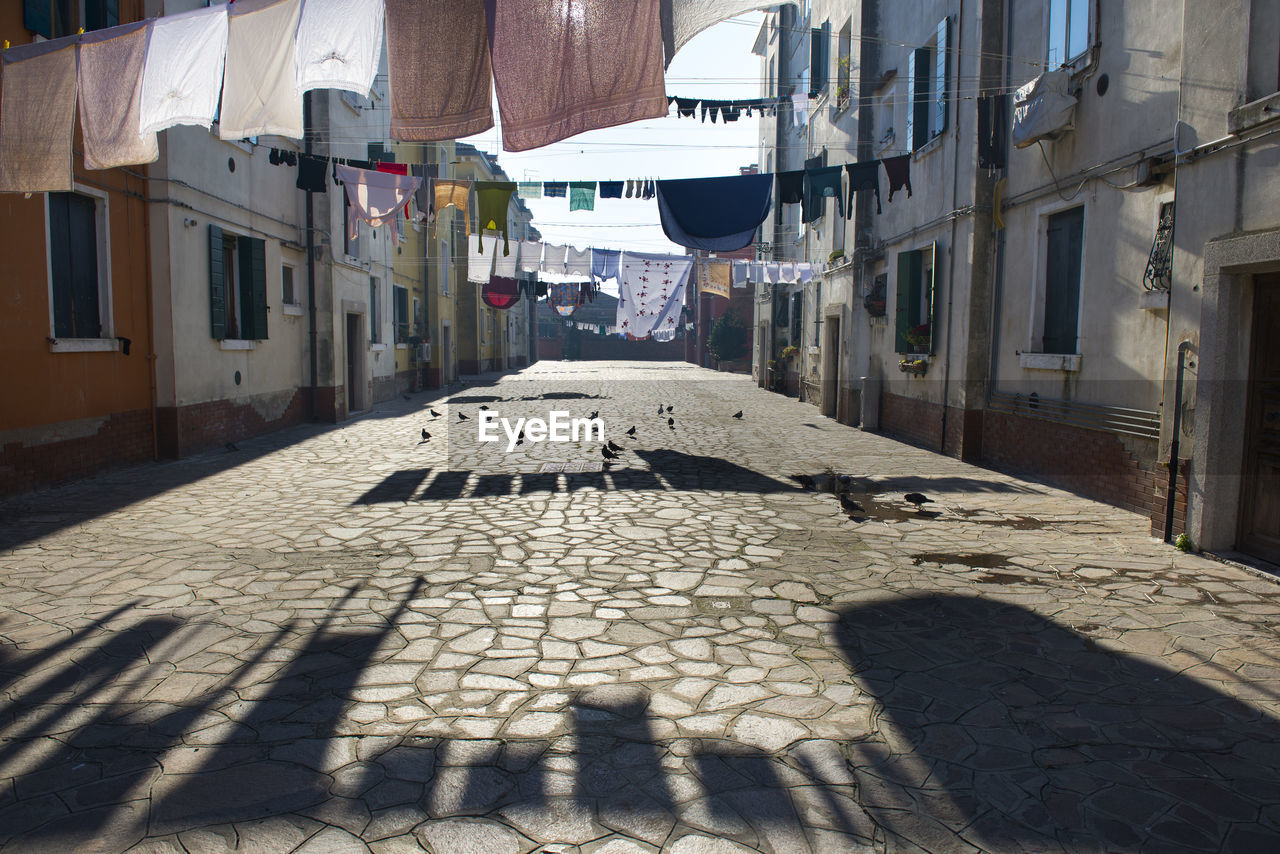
{"x":797,"y":316}
{"x":817,"y":313}
{"x":819,"y":58}
{"x":927,"y":82}
{"x":287,"y":295}
{"x":1064,"y":233}
{"x":401,"y":309}
{"x":55,"y":18}
{"x":419,"y":322}
{"x":350,"y":245}
{"x":844,"y":59}
{"x":1068,"y":31}
{"x":1264,"y":50}
{"x":78,"y":266}
{"x":237,"y":286}
{"x":375,"y":310}
{"x":915,"y":301}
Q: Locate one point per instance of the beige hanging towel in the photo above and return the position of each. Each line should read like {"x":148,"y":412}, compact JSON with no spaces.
{"x":260,"y":92}
{"x":456,"y":193}
{"x":438,"y":60}
{"x":565,"y":68}
{"x":111,"y":63}
{"x":37,"y":115}
{"x":684,"y":19}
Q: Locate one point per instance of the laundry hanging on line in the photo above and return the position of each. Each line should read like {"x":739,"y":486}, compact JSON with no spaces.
{"x":651,"y":290}
{"x":375,"y":198}
{"x":715,"y":214}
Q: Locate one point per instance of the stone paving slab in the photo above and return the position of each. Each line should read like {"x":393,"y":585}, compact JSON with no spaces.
{"x":348,"y":639}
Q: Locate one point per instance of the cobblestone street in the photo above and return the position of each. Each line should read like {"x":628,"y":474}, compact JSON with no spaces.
{"x":347,"y":639}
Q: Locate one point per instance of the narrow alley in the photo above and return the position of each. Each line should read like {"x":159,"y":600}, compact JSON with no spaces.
{"x":349,"y":638}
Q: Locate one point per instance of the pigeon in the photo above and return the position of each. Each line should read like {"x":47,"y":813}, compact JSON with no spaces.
{"x":669,"y":408}
{"x":671,"y":422}
{"x":917,"y":499}
{"x":520,"y":438}
{"x":804,"y":480}
{"x":632,"y":431}
{"x":738,"y":415}
{"x":614,"y":446}
{"x":406,"y":397}
{"x":462,"y":417}
{"x":484,"y":406}
{"x":232,"y":446}
{"x":434,"y":414}
{"x":425,"y":434}
{"x":594,"y":415}
{"x":608,"y":454}
{"x":659,"y":408}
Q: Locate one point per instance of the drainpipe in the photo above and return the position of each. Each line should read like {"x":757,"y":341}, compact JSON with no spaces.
{"x":311,"y":261}
{"x":951,"y":248}
{"x":1173,"y":442}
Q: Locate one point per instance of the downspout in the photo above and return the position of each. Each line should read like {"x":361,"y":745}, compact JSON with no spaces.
{"x":993,"y":335}
{"x":1173,"y":442}
{"x":151,"y":326}
{"x":311,"y":262}
{"x":951,"y":247}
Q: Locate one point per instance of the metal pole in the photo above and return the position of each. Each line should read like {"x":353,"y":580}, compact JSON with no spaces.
{"x":1173,"y":443}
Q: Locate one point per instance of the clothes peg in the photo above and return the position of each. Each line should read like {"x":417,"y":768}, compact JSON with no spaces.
{"x":81,"y":32}
{"x":6,"y":44}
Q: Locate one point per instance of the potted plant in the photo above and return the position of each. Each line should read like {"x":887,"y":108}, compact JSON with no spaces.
{"x":787,"y":352}
{"x":920,"y":338}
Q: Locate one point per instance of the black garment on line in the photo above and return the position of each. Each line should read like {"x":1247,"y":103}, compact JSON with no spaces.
{"x":993,"y":128}
{"x":731,"y":112}
{"x":713,"y":107}
{"x":686,"y":107}
{"x":899,"y":171}
{"x":611,"y":189}
{"x":863,"y":176}
{"x":818,"y":184}
{"x":311,"y":173}
{"x":791,"y":187}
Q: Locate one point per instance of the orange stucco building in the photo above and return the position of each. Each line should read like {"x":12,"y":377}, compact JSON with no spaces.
{"x":74,"y":404}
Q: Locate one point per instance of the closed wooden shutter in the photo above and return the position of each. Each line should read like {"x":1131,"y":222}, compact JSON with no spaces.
{"x":907,"y":305}
{"x":217,"y":286}
{"x":253,"y":287}
{"x":941,"y":80}
{"x":1062,"y":281}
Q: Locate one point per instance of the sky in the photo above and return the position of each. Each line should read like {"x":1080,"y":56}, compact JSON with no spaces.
{"x":717,"y":63}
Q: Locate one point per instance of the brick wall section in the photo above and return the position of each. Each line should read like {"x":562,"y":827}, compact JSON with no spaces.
{"x":917,"y":421}
{"x":123,"y":439}
{"x":187,"y":430}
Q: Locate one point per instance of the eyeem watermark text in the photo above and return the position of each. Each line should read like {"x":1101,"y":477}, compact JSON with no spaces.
{"x":561,"y":428}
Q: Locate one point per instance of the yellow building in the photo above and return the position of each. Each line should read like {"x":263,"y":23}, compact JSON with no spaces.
{"x":446,"y":270}
{"x":409,"y":287}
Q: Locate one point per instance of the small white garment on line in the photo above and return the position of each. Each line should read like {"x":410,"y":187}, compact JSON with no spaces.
{"x":339,"y":44}
{"x":804,"y":271}
{"x":530,"y":256}
{"x":182,"y":74}
{"x":504,"y":265}
{"x":577,"y":262}
{"x":800,"y":109}
{"x":651,"y":291}
{"x":553,"y":259}
{"x":690,"y":17}
{"x":480,"y":261}
{"x":376,"y":198}
{"x":260,"y":92}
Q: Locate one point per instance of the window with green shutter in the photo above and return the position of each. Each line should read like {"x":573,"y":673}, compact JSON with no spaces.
{"x":1065,"y":238}
{"x":819,"y":58}
{"x":913,"y":309}
{"x":55,"y":18}
{"x":217,"y":285}
{"x":401,"y":313}
{"x":252,"y":262}
{"x":928,"y":82}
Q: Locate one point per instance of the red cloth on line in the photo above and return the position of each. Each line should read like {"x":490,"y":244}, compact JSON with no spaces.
{"x":500,"y":292}
{"x":394,"y":168}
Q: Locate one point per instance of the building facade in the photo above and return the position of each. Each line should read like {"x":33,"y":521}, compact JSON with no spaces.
{"x":1035,"y":303}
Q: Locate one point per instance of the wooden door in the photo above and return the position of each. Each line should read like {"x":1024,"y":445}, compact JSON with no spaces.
{"x":1260,"y":501}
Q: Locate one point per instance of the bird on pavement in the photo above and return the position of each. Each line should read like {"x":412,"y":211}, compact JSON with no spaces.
{"x":232,"y":446}
{"x":462,"y":417}
{"x":608,"y":454}
{"x":669,"y":408}
{"x":632,"y":431}
{"x":520,"y":437}
{"x":434,"y":414}
{"x":671,"y":422}
{"x":917,"y":499}
{"x":405,"y":396}
{"x":738,"y":415}
{"x":614,"y":446}
{"x":484,"y":406}
{"x":425,"y":434}
{"x":659,"y":408}
{"x":594,"y":415}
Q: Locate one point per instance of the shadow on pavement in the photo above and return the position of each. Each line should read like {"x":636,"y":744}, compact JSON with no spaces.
{"x":1020,"y":734}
